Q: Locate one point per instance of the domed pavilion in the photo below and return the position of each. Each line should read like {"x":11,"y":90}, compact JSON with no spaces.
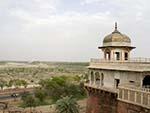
{"x":116,"y":46}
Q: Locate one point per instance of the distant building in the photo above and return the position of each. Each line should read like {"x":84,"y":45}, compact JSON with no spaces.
{"x":118,"y":83}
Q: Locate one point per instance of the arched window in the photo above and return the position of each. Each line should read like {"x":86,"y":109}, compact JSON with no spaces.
{"x":146,"y":81}
{"x":87,"y":77}
{"x":117,"y":55}
{"x":97,"y":77}
{"x":92,"y":77}
{"x":102,"y":79}
{"x":125,"y":56}
{"x":107,"y":54}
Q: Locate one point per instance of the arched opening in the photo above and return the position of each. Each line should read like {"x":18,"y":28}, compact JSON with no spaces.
{"x":87,"y":77}
{"x":117,"y":81}
{"x":97,"y":77}
{"x":125,"y":56}
{"x":102,"y":79}
{"x":92,"y":77}
{"x":107,"y":54}
{"x":117,"y":55}
{"x":146,"y":81}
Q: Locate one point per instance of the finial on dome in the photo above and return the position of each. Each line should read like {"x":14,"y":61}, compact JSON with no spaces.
{"x":115,"y":25}
{"x":116,"y":30}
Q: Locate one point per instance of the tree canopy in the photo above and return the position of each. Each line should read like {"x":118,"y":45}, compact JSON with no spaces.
{"x":67,"y":105}
{"x":3,"y":83}
{"x":58,"y":87}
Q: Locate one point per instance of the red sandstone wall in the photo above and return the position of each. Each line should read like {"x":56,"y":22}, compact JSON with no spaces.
{"x":105,"y":102}
{"x":93,"y":104}
{"x":101,"y":102}
{"x":123,"y":107}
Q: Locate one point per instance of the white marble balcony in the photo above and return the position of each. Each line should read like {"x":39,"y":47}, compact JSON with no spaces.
{"x":138,"y":96}
{"x":134,"y":64}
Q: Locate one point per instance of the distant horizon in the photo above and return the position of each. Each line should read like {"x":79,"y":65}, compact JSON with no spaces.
{"x":43,"y":61}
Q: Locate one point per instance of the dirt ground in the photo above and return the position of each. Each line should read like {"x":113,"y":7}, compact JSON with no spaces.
{"x":42,"y":109}
{"x":51,"y":108}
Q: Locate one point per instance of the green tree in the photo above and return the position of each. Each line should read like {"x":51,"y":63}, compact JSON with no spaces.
{"x":67,"y":105}
{"x":10,"y":83}
{"x":29,"y":101}
{"x":40,"y":94}
{"x":17,"y":83}
{"x":53,"y":87}
{"x":42,"y":83}
{"x":77,"y":78}
{"x":24,"y":83}
{"x":56,"y":87}
{"x":3,"y":83}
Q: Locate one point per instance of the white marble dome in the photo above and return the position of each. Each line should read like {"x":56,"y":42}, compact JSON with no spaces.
{"x":116,"y":38}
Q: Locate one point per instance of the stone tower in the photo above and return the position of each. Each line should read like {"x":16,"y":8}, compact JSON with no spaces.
{"x":116,"y":46}
{"x":118,"y":83}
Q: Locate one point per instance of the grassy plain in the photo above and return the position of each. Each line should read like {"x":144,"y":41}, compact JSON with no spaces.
{"x":32,"y":72}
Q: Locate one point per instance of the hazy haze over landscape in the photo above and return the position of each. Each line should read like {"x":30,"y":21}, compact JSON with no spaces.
{"x":69,"y":30}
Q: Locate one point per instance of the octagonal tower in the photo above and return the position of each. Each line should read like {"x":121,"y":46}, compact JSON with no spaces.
{"x":116,"y":46}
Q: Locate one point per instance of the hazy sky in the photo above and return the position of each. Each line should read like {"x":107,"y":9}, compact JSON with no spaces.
{"x":69,"y":30}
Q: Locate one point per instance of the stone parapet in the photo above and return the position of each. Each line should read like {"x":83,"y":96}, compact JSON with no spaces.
{"x":100,"y":101}
{"x":137,"y":96}
{"x":131,"y":60}
{"x":103,"y":88}
{"x":129,"y":65}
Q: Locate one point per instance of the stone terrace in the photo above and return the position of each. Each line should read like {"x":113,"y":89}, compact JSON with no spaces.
{"x":135,"y":64}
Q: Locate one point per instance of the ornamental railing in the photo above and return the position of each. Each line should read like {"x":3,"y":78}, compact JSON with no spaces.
{"x":138,"y":96}
{"x":138,"y":60}
{"x":134,"y":95}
